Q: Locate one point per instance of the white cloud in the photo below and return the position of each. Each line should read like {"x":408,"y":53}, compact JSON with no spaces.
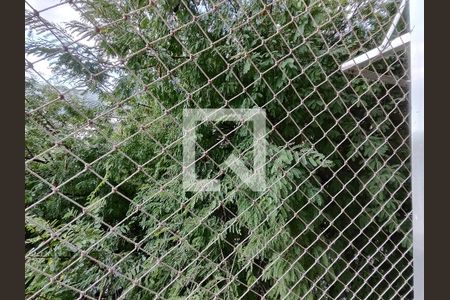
{"x":58,"y":14}
{"x":53,"y":11}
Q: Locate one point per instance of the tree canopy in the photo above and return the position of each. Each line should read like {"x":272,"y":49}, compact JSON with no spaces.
{"x":106,"y":213}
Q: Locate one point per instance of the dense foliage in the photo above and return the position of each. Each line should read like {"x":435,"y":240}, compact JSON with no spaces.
{"x":334,"y":222}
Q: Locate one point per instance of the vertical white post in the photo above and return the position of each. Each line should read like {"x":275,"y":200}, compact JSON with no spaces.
{"x":416,"y":10}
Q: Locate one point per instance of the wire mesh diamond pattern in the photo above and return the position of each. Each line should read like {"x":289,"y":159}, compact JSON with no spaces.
{"x":107,"y":214}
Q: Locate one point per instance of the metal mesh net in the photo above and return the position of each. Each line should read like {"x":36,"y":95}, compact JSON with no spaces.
{"x":217,"y":150}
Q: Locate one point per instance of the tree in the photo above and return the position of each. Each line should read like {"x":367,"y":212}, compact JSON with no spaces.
{"x":335,"y":220}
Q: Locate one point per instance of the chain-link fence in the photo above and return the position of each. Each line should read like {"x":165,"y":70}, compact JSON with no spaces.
{"x":217,"y":149}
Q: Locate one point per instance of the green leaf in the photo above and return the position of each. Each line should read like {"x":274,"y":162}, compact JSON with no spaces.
{"x":247,"y":66}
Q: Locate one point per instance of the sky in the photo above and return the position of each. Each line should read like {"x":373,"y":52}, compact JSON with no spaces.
{"x":58,"y":14}
{"x":61,"y":13}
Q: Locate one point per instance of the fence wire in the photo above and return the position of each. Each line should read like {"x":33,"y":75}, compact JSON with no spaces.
{"x":108,"y":212}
